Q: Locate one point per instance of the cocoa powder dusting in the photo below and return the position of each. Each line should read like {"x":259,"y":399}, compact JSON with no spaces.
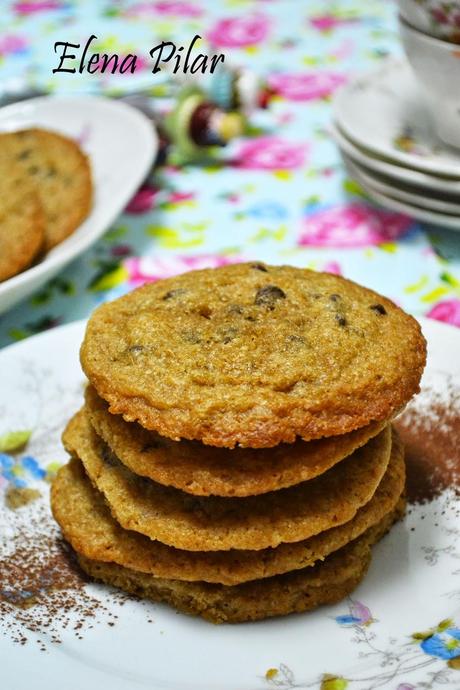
{"x":41,"y":586}
{"x":430,"y":430}
{"x":43,"y":593}
{"x":16,"y":497}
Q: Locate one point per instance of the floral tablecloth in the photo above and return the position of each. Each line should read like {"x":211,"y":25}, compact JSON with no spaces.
{"x":283,"y":197}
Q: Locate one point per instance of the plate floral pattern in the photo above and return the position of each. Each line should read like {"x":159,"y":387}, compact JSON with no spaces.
{"x":399,"y":631}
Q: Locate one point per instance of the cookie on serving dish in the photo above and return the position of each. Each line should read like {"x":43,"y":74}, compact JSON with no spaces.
{"x":59,"y":172}
{"x":301,"y":590}
{"x":88,"y":526}
{"x":206,"y":470}
{"x":253,"y":355}
{"x":213,"y":523}
{"x":22,"y":225}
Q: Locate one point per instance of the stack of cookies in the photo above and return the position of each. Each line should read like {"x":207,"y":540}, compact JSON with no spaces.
{"x":234,"y":456}
{"x":45,"y":194}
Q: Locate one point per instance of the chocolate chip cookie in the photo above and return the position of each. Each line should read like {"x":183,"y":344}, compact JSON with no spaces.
{"x":22,"y":224}
{"x":57,"y":169}
{"x":206,"y":470}
{"x":295,"y":592}
{"x":212,"y":523}
{"x":87,"y":524}
{"x":253,"y":355}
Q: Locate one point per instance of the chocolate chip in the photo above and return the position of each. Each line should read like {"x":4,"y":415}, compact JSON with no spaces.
{"x":204,"y":311}
{"x":173,"y":294}
{"x":334,"y":297}
{"x":108,"y":456}
{"x":154,"y":444}
{"x":135,"y":349}
{"x":260,"y":267}
{"x":379,"y":309}
{"x":24,"y":154}
{"x":250,"y":318}
{"x":341,"y":320}
{"x":268,"y":295}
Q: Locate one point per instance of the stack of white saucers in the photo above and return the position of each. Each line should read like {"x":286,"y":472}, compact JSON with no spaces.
{"x":389,"y":146}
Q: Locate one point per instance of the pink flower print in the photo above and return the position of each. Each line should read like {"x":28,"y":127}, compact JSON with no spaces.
{"x":238,"y":32}
{"x":271,"y":153}
{"x":359,"y":614}
{"x":305,"y":86}
{"x":285,"y":118}
{"x":143,"y":200}
{"x":333,"y":267}
{"x":180,"y":197}
{"x":344,"y":50}
{"x":148,"y":269}
{"x":174,"y":8}
{"x":140,"y":64}
{"x":178,"y":8}
{"x":327,"y":22}
{"x":447,"y":310}
{"x":11,"y":45}
{"x":352,"y":225}
{"x":37,"y":6}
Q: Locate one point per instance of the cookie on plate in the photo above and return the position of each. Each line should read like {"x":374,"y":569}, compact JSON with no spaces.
{"x":60,"y":173}
{"x":206,"y":470}
{"x":212,"y":523}
{"x":87,"y":524}
{"x":301,"y":590}
{"x":22,"y":224}
{"x":253,"y":355}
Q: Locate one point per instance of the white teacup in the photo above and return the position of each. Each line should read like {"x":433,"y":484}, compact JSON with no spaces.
{"x":439,"y":18}
{"x":436,"y":65}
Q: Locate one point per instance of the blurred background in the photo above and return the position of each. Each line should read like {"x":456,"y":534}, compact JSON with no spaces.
{"x":278,"y":193}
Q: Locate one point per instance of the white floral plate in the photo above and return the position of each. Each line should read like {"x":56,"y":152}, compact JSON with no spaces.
{"x":383,"y":111}
{"x":389,"y":635}
{"x":121,"y":144}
